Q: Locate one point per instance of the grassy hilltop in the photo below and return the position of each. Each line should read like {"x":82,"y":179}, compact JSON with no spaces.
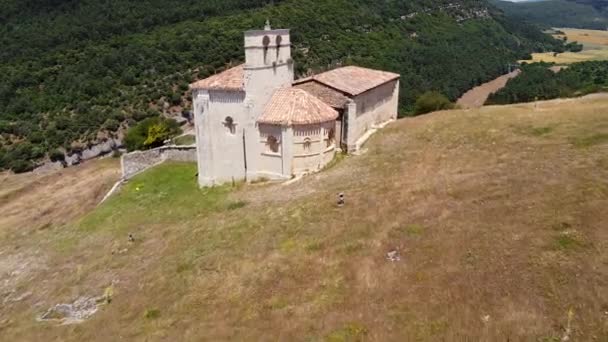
{"x":500,"y":226}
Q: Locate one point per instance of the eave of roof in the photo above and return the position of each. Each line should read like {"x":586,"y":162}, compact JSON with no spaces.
{"x":228,"y":80}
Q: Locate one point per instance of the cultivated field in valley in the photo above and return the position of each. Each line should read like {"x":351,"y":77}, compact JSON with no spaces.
{"x":595,"y":47}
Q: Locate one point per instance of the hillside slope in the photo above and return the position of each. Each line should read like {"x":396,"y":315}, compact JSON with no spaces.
{"x":538,"y":82}
{"x":599,"y":4}
{"x":500,"y":228}
{"x":556,"y":13}
{"x":71,"y":68}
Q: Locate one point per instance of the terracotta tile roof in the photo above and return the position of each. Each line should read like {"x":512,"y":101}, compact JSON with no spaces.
{"x":353,"y":80}
{"x":328,"y":95}
{"x":230,"y":79}
{"x":292,"y":106}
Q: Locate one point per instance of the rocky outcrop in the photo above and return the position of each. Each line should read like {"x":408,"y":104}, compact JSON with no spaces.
{"x":93,"y":151}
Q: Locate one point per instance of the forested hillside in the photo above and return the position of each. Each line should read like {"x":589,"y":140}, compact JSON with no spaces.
{"x":538,"y":82}
{"x":69,"y":69}
{"x":599,"y":4}
{"x":556,"y":13}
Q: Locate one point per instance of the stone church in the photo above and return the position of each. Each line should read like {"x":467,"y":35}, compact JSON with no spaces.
{"x":254,"y":121}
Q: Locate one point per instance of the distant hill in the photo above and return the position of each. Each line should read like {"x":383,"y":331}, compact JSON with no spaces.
{"x":84,"y":70}
{"x":599,"y":4}
{"x":558,"y":13}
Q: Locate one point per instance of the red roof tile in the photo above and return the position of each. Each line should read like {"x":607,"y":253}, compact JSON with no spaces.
{"x":353,"y":80}
{"x":230,"y":79}
{"x":292,"y":106}
{"x":324,"y":93}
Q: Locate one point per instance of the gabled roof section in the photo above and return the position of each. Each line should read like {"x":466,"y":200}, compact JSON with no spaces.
{"x":230,"y":80}
{"x":352,"y":80}
{"x":324,"y":93}
{"x":293,"y":106}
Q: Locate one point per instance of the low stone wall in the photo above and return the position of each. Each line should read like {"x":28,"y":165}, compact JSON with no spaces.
{"x":138,"y":161}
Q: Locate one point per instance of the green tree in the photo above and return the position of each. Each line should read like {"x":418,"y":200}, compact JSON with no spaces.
{"x":157,"y":134}
{"x":151,"y":132}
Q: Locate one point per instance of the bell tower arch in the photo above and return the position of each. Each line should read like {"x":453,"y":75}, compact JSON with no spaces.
{"x":268,"y":63}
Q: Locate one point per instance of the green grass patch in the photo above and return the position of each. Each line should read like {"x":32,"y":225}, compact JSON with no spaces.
{"x":164,"y":194}
{"x":277,"y":303}
{"x":152,"y":314}
{"x":313,"y":245}
{"x":350,"y":332}
{"x":568,"y":241}
{"x":184,"y":267}
{"x":410,"y":230}
{"x":188,"y":139}
{"x":540,"y":131}
{"x":289,"y":245}
{"x":414,"y":229}
{"x":534,"y":131}
{"x":590,"y":140}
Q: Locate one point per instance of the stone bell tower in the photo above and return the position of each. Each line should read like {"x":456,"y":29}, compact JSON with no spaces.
{"x":268,"y":63}
{"x":268,"y":67}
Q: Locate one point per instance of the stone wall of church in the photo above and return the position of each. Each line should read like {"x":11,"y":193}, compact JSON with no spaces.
{"x":220,"y":123}
{"x":272,"y":152}
{"x":373,"y":107}
{"x":139,"y":161}
{"x":313,"y":147}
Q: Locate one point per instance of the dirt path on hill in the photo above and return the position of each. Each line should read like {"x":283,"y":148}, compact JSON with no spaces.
{"x":477,"y":96}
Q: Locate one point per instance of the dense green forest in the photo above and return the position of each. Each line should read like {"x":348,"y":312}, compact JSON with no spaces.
{"x":556,"y":13}
{"x":70,"y":69}
{"x":599,"y":4}
{"x":537,"y":82}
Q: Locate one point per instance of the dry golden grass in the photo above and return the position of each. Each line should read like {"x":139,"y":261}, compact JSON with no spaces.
{"x":595,"y":44}
{"x":32,"y":201}
{"x":498,"y":214}
{"x":570,"y":57}
{"x":585,"y":37}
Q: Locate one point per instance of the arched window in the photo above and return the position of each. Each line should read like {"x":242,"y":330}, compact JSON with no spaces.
{"x":279,"y":40}
{"x":331,"y":136}
{"x":265,"y":42}
{"x":307,"y":144}
{"x":230,"y":124}
{"x":272,"y":143}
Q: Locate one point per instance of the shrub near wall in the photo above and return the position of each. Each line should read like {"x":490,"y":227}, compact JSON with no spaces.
{"x":431,"y":101}
{"x":151,"y":133}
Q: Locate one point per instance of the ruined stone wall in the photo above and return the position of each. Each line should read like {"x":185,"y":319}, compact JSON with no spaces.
{"x":138,"y":161}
